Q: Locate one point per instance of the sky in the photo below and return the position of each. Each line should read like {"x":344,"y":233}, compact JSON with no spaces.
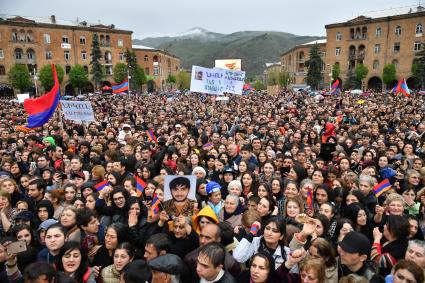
{"x":171,"y":17}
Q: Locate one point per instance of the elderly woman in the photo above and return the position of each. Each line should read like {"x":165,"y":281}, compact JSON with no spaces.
{"x":393,"y":205}
{"x":232,"y":211}
{"x":366,"y":184}
{"x":199,"y":172}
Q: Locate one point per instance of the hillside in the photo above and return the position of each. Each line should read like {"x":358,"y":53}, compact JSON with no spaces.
{"x":201,"y":47}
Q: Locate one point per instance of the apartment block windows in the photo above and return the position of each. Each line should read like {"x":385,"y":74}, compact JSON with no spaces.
{"x":396,"y":47}
{"x":377,"y":48}
{"x":337,"y":51}
{"x":67,"y":55}
{"x":398,"y":30}
{"x":338,"y":36}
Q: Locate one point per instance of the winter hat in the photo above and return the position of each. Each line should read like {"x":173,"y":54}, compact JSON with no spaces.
{"x":212,"y":187}
{"x":197,"y":169}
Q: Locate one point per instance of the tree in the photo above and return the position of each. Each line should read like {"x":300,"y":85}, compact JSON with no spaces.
{"x":360,"y":73}
{"x":351,"y":81}
{"x":78,"y":77}
{"x":120,"y":72}
{"x":336,"y":71}
{"x":284,"y":79}
{"x":183,"y":80}
{"x":137,"y":75}
{"x":314,"y":64}
{"x":97,"y":69}
{"x":259,"y":85}
{"x":171,"y":80}
{"x":272,"y":78}
{"x":418,"y":66}
{"x":19,"y":77}
{"x":46,"y":76}
{"x":389,"y":74}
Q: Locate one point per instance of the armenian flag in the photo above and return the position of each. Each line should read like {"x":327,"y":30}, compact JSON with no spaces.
{"x":155,"y":205}
{"x":151,"y":136}
{"x":121,"y":87}
{"x":42,"y":108}
{"x":335,"y":84}
{"x":100,"y":186}
{"x":309,"y":200}
{"x":140,"y":186}
{"x":401,"y":87}
{"x":382,"y":187}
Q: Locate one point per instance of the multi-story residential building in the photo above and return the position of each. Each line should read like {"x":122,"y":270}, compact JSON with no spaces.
{"x":158,"y":65}
{"x":375,"y":42}
{"x":35,"y":44}
{"x":294,"y":60}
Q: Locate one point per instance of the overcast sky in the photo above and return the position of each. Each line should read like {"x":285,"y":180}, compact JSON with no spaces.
{"x":170,"y":17}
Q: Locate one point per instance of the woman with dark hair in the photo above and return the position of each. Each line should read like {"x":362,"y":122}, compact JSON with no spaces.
{"x":72,"y":261}
{"x":248,"y":184}
{"x":118,"y":210}
{"x":387,"y":253}
{"x":277,"y":191}
{"x":297,"y":173}
{"x":407,"y":271}
{"x":268,"y":170}
{"x":261,"y":270}
{"x":263,"y":190}
{"x":415,"y":232}
{"x":322,"y":194}
{"x":272,"y":242}
{"x":54,"y":240}
{"x":357,"y":213}
{"x":123,"y":255}
{"x":319,"y":176}
{"x":343,"y":227}
{"x":22,"y":232}
{"x":265,"y":209}
{"x":44,"y":211}
{"x":116,"y":234}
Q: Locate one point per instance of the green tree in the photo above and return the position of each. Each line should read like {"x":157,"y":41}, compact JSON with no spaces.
{"x":97,"y":69}
{"x":336,"y":71}
{"x":360,"y":73}
{"x":259,"y":85}
{"x":314,"y":64}
{"x":171,"y":80}
{"x":120,"y":72}
{"x":273,"y":78}
{"x":19,"y":77}
{"x":284,"y":79}
{"x":351,"y":81}
{"x":183,"y":80}
{"x":418,"y":66}
{"x":78,"y":77}
{"x":137,"y":75}
{"x":389,"y":74}
{"x":46,"y":76}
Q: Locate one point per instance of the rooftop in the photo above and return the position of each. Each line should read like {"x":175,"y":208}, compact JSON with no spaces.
{"x":319,"y":41}
{"x":136,"y":46}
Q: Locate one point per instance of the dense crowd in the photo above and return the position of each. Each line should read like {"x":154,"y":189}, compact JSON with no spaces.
{"x":287,"y":190}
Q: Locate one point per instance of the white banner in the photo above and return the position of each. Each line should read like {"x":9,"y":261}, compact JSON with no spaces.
{"x":80,"y":111}
{"x":216,"y":81}
{"x":22,"y":97}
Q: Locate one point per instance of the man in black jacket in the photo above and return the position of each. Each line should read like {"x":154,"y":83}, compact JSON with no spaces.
{"x":210,"y":264}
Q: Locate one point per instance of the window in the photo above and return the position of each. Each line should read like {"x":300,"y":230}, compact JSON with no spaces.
{"x":155,"y":71}
{"x":2,"y":70}
{"x":83,"y":55}
{"x":65,"y":39}
{"x":19,"y":54}
{"x":108,"y":57}
{"x":398,"y":30}
{"x":375,"y":64}
{"x":1,"y":54}
{"x":67,"y":55}
{"x":107,"y":40}
{"x":46,"y":38}
{"x":82,"y":40}
{"x":378,"y":32}
{"x":30,"y":54}
{"x":338,"y":36}
{"x":419,"y":29}
{"x":396,"y":47}
{"x":30,"y":37}
{"x":120,"y":42}
{"x":102,"y":40}
{"x":14,"y":35}
{"x":67,"y":69}
{"x":121,"y":57}
{"x":337,"y":51}
{"x":108,"y":70}
{"x":377,"y":48}
{"x":146,"y":58}
{"x":48,"y":55}
{"x":417,"y":46}
{"x":147,"y":71}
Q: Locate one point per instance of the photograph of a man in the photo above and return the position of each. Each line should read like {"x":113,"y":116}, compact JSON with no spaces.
{"x":199,"y":75}
{"x":179,"y":195}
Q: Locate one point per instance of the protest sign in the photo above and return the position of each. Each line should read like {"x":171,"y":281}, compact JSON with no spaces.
{"x":216,"y":81}
{"x":77,"y":110}
{"x":22,"y":97}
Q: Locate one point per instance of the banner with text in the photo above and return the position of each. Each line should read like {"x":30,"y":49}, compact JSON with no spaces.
{"x":216,"y":81}
{"x":80,"y":111}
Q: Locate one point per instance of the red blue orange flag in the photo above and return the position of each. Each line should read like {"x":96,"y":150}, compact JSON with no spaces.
{"x":121,"y":87}
{"x":42,"y":108}
{"x":151,"y":136}
{"x":155,"y":205}
{"x":140,"y":186}
{"x":100,"y":186}
{"x":401,"y":87}
{"x":382,"y":187}
{"x":335,"y":84}
{"x":309,"y":200}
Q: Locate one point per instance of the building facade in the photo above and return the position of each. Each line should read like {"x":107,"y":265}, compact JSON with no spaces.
{"x":294,"y":60}
{"x":376,"y":42}
{"x":158,"y":65}
{"x":35,"y":44}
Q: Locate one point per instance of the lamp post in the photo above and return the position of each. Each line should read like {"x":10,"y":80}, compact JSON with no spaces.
{"x":330,"y":77}
{"x":35,"y":83}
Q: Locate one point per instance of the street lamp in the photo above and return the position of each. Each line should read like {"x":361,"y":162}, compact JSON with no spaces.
{"x":35,"y":83}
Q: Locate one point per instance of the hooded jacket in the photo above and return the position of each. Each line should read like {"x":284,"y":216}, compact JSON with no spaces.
{"x":207,"y":212}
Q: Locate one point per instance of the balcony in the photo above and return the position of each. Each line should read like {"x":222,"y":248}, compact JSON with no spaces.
{"x":301,"y":61}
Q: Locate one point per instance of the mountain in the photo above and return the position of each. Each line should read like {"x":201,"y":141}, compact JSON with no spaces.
{"x":198,"y":46}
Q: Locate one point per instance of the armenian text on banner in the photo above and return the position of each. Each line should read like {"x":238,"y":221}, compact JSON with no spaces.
{"x":216,"y":81}
{"x":79,"y":111}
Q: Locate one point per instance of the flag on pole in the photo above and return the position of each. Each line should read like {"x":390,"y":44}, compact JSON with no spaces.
{"x":382,"y":187}
{"x":140,"y":186}
{"x":42,"y":108}
{"x":100,"y":186}
{"x":151,"y":136}
{"x":401,"y":87}
{"x":335,"y":84}
{"x":309,"y":200}
{"x":155,"y":205}
{"x":121,"y":87}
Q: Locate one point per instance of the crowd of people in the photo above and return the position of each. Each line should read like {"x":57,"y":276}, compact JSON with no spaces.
{"x":287,"y":190}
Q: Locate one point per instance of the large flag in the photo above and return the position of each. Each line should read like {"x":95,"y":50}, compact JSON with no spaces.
{"x":382,"y":187}
{"x":335,"y":87}
{"x":401,"y":87}
{"x":42,"y":108}
{"x":121,"y":87}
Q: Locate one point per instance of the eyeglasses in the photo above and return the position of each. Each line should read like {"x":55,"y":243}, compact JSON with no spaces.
{"x":118,"y":198}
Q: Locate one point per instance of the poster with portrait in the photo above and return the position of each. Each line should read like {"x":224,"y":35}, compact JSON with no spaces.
{"x":179,"y":187}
